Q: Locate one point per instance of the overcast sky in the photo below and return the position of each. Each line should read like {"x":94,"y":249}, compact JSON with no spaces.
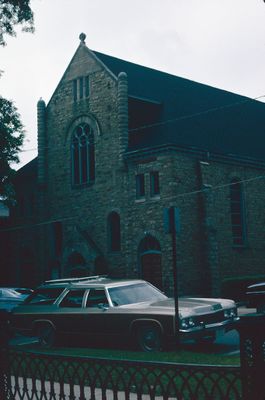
{"x":217,"y":42}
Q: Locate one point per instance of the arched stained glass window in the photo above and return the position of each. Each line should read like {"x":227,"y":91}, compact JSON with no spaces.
{"x":83,"y":155}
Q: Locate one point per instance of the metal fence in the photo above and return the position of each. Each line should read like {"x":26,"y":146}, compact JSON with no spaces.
{"x":30,"y":375}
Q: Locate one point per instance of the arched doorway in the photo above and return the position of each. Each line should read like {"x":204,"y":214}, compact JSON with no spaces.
{"x":149,"y":253}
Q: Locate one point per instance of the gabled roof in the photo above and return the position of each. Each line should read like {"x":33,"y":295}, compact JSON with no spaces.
{"x":29,"y":171}
{"x":193,"y":114}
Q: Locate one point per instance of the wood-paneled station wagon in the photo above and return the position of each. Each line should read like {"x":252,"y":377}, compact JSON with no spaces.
{"x":133,"y":309}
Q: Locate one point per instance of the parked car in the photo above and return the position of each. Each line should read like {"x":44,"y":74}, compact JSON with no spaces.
{"x":133,"y":309}
{"x":11,"y":297}
{"x":256,"y":296}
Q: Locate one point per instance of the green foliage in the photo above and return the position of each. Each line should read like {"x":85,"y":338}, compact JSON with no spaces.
{"x":235,"y":287}
{"x":12,"y":13}
{"x":11,"y":140}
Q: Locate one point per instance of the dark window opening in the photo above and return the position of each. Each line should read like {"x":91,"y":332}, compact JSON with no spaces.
{"x":154,"y":184}
{"x":73,"y":298}
{"x":97,"y":297}
{"x":140,"y":186}
{"x":114,"y":232}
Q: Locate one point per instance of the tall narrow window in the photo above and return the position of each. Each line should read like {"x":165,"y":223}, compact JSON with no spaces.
{"x":238,"y":219}
{"x":75,"y":89}
{"x":87,"y":86}
{"x":140,"y":186}
{"x":114,"y":232}
{"x":154,"y":183}
{"x":81,"y":88}
{"x":83,"y":155}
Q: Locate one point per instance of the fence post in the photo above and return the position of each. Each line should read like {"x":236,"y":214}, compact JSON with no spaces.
{"x":252,"y":354}
{"x":4,"y":367}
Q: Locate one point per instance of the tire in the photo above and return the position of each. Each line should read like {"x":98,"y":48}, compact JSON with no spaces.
{"x":46,"y":335}
{"x":149,"y":338}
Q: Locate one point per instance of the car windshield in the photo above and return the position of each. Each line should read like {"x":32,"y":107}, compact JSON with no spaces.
{"x":136,"y":293}
{"x":23,"y":290}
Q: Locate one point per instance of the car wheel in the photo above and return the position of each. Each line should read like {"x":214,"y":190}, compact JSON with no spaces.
{"x":46,"y":335}
{"x":149,"y":338}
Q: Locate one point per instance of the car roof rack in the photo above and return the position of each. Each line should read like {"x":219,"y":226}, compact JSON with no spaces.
{"x":75,"y":280}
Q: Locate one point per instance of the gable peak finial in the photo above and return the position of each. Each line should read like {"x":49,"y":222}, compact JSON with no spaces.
{"x":82,"y":38}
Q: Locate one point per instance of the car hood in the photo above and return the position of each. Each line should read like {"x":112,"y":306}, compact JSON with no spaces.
{"x":187,"y":306}
{"x":257,"y":288}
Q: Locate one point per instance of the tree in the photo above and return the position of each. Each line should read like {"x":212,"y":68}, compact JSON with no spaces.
{"x":11,"y":140}
{"x":12,"y":13}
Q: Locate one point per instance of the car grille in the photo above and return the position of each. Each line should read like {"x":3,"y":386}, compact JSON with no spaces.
{"x":212,"y":318}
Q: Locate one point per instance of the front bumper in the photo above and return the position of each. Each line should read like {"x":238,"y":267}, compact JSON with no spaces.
{"x":209,"y":330}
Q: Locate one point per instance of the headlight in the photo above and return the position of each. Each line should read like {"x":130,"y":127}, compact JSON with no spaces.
{"x":230,"y":313}
{"x":187,"y":323}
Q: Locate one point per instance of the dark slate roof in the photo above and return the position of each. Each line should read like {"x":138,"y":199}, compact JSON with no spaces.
{"x":28,"y":171}
{"x":194,"y":115}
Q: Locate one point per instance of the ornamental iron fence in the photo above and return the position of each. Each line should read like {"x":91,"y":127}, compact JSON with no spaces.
{"x":252,"y":355}
{"x":31,"y":375}
{"x":35,"y":375}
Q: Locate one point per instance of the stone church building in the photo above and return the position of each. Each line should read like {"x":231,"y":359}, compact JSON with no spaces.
{"x":119,"y":145}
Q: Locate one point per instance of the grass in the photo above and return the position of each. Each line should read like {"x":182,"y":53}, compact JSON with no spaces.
{"x":185,"y":356}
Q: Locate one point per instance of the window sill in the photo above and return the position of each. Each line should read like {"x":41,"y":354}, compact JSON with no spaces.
{"x":155,"y":198}
{"x":140,"y":200}
{"x":82,"y":185}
